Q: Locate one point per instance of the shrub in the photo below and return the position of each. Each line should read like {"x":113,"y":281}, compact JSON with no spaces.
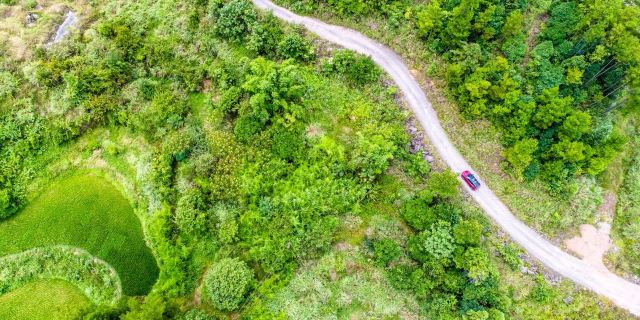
{"x":227,"y":283}
{"x":234,"y":20}
{"x":294,"y":46}
{"x":386,"y":251}
{"x":357,"y":69}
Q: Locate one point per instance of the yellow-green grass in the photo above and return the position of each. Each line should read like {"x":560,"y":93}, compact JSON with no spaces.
{"x":87,"y":211}
{"x":43,"y":299}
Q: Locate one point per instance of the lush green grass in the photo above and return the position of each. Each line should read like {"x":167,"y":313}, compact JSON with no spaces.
{"x":86,"y":211}
{"x":44,"y":299}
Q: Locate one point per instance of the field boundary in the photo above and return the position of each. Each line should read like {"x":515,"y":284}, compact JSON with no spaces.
{"x":94,"y":277}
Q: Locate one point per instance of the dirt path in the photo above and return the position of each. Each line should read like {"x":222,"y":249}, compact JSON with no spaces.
{"x":622,"y":292}
{"x":594,"y":241}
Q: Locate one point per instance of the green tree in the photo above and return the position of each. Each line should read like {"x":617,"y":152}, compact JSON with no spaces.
{"x":438,"y":242}
{"x":513,"y":24}
{"x":234,"y":20}
{"x":468,"y":232}
{"x":575,"y":125}
{"x":227,"y":283}
{"x":520,"y":154}
{"x":386,"y":251}
{"x":294,"y":46}
{"x":428,"y":19}
{"x":551,"y":108}
{"x":458,"y":26}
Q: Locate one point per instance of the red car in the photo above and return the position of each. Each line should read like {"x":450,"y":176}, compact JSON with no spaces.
{"x":470,"y":179}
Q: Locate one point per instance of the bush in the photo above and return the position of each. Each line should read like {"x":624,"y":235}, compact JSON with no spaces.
{"x":234,"y":19}
{"x":227,"y":283}
{"x":294,"y":46}
{"x":386,"y":251}
{"x":357,"y":69}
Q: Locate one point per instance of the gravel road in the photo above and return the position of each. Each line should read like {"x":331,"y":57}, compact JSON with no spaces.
{"x":623,"y":293}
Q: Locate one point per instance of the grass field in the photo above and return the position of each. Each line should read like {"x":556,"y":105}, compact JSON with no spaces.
{"x":86,"y":211}
{"x":44,"y":299}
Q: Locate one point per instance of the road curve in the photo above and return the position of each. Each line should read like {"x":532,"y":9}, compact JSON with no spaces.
{"x":623,"y":293}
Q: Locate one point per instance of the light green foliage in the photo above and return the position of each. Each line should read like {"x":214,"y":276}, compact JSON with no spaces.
{"x":513,"y":24}
{"x":190,"y":215}
{"x":476,"y":315}
{"x":428,"y":19}
{"x":152,"y":308}
{"x":541,"y":291}
{"x":342,"y":283}
{"x":438,"y":241}
{"x":521,"y":154}
{"x":227,"y":283}
{"x":476,"y":262}
{"x":468,"y":232}
{"x":88,"y":212}
{"x":443,"y":184}
{"x":627,"y":219}
{"x":8,"y":84}
{"x":511,"y":255}
{"x":43,"y":300}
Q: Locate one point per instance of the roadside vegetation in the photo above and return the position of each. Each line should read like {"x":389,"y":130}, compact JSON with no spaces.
{"x":270,"y":173}
{"x":627,"y":219}
{"x":493,"y":31}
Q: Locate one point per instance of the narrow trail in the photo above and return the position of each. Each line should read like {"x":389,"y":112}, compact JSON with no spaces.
{"x":623,"y":293}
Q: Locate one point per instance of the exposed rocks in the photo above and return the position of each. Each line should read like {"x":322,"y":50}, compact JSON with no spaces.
{"x":31,"y":19}
{"x":417,"y":140}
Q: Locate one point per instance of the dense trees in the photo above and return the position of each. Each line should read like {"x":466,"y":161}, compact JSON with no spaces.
{"x":455,"y":275}
{"x":545,"y":96}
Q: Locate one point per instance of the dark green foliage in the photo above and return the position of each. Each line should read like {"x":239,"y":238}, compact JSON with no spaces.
{"x":287,"y":144}
{"x":266,"y":36}
{"x":454,"y":274}
{"x":386,"y":251}
{"x":227,"y":283}
{"x":233,"y":20}
{"x":294,"y":46}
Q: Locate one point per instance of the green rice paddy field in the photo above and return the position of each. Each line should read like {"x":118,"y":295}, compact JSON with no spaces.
{"x":43,"y":300}
{"x":87,"y":211}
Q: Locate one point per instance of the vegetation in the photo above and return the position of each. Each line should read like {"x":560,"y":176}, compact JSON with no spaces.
{"x":227,"y":283}
{"x":94,"y":277}
{"x":262,"y":157}
{"x":552,"y":93}
{"x":42,"y":300}
{"x":88,"y":212}
{"x":627,"y":218}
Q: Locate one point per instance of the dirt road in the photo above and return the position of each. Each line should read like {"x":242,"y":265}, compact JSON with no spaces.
{"x":622,"y":292}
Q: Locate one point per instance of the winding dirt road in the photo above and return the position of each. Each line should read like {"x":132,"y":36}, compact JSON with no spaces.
{"x":623,"y":293}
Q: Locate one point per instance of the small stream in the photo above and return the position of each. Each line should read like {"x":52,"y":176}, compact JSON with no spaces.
{"x":67,"y":25}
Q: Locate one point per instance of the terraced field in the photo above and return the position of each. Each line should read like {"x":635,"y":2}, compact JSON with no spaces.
{"x":43,"y":300}
{"x":85,"y":210}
